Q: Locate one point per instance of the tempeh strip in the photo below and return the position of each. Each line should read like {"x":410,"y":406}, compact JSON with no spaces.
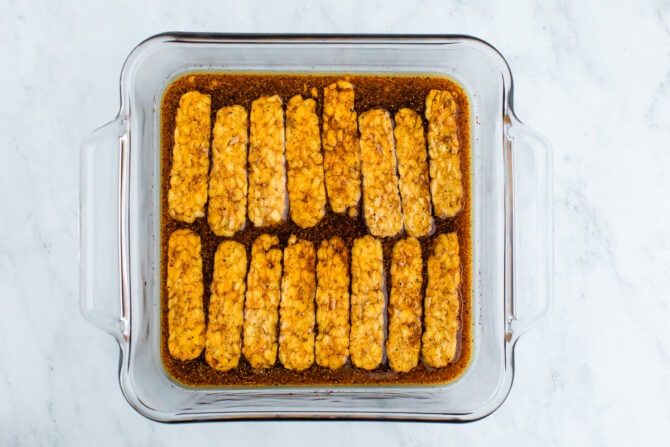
{"x":413,"y":170}
{"x":260,"y":307}
{"x":381,"y":199}
{"x":227,"y":208}
{"x":226,"y":307}
{"x":267,"y":168}
{"x":190,"y":158}
{"x":342,"y":164}
{"x":443,"y":147}
{"x":367,"y":303}
{"x":306,"y":188}
{"x":404,"y":330}
{"x":441,"y":303}
{"x":186,"y":315}
{"x":332,"y":304}
{"x":296,"y":308}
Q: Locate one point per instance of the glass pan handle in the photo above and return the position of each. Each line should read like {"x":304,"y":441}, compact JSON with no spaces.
{"x":100,"y":207}
{"x":532,"y":229}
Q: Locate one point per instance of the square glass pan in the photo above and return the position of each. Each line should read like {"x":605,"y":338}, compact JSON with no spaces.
{"x":120,"y":225}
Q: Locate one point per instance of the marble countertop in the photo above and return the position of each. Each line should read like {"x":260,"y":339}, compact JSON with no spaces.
{"x":593,"y":77}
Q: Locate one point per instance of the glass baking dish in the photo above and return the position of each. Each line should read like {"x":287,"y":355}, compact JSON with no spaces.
{"x":511,"y":225}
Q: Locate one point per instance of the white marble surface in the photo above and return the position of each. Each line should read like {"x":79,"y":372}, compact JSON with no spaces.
{"x":594,"y":77}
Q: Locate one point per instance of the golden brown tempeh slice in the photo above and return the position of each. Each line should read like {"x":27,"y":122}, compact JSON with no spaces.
{"x":260,"y":307}
{"x":306,"y":188}
{"x":296,"y":308}
{"x":367,"y":303}
{"x":342,"y":162}
{"x":268,"y":200}
{"x":227,"y":208}
{"x":441,"y":304}
{"x":413,"y":170}
{"x":186,"y":315}
{"x":226,"y":307}
{"x":404,"y":338}
{"x":443,"y":147}
{"x":332,"y":304}
{"x":381,"y":200}
{"x":190,"y":158}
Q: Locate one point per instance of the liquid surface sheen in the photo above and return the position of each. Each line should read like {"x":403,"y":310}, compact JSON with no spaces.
{"x":391,"y":93}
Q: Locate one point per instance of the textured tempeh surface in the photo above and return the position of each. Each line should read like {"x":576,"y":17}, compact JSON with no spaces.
{"x":413,"y":173}
{"x":268,"y":201}
{"x":367,"y":303}
{"x":227,"y":208}
{"x":443,"y":148}
{"x":296,"y":308}
{"x":340,"y":148}
{"x":404,"y":329}
{"x":441,"y":303}
{"x":262,"y":298}
{"x":226,"y":307}
{"x":332,"y":304}
{"x":186,"y":316}
{"x":190,"y":158}
{"x":306,"y":187}
{"x":381,"y":199}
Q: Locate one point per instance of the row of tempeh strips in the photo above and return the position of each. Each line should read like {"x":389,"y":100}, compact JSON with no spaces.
{"x":288,"y":172}
{"x":318,"y":320}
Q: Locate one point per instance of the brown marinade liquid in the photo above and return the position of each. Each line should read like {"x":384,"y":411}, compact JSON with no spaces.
{"x":372,"y":91}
